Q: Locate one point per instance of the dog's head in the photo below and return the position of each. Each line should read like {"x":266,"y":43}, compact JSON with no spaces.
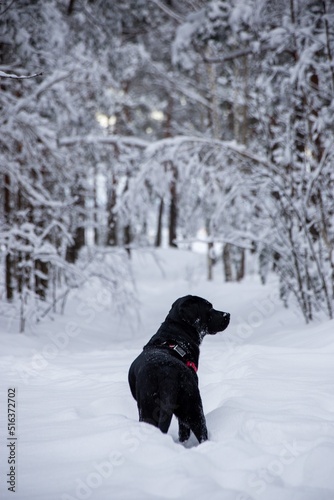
{"x":200,"y":314}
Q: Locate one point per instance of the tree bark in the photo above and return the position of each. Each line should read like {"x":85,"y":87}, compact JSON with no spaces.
{"x":9,"y":261}
{"x":227,"y":262}
{"x":41,"y":283}
{"x":79,"y":240}
{"x":242,"y":264}
{"x":172,"y":229}
{"x":112,"y":238}
{"x":158,"y":237}
{"x":211,"y":261}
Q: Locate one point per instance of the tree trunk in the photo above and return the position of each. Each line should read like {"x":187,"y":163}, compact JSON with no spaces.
{"x":41,"y":278}
{"x":72,"y":252}
{"x":240,"y":104}
{"x":214,"y":113}
{"x":240,"y":122}
{"x":127,"y":239}
{"x":227,"y":262}
{"x":158,"y":237}
{"x":9,"y":282}
{"x":96,"y":221}
{"x":112,"y":238}
{"x":211,"y":260}
{"x":241,"y":264}
{"x":173,"y":210}
{"x":9,"y":264}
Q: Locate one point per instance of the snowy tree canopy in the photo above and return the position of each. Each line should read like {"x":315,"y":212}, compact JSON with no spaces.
{"x":121,"y":121}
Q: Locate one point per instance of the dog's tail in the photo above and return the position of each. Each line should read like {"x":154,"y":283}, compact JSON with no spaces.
{"x":158,"y":413}
{"x":165,"y":416}
{"x":167,"y":403}
{"x":158,"y":408}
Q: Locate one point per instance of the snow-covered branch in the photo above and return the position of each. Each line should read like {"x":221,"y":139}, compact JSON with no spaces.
{"x":254,"y":49}
{"x":168,"y":11}
{"x":172,"y":143}
{"x":109,"y":140}
{"x":49,"y":82}
{"x":230,"y":56}
{"x":18,"y":77}
{"x":232,"y":241}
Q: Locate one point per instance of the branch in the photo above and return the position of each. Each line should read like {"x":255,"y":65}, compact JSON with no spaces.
{"x":233,"y":146}
{"x":7,"y":8}
{"x":17,"y":77}
{"x":238,"y":53}
{"x":168,"y":11}
{"x":51,"y":306}
{"x":213,"y":239}
{"x":228,"y":57}
{"x":57,"y":77}
{"x":111,"y":140}
{"x":151,"y":148}
{"x":329,"y":52}
{"x":185,"y":89}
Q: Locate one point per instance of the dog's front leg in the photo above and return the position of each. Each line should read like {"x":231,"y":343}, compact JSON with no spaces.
{"x":197,"y":424}
{"x":200,"y":431}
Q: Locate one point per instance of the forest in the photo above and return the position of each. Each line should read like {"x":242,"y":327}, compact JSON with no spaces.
{"x":141,"y":123}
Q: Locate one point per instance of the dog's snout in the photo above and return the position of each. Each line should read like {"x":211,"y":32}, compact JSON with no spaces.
{"x":226,"y":319}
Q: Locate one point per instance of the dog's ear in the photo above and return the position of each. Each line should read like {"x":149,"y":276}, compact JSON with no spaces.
{"x":180,"y":309}
{"x":189,"y":309}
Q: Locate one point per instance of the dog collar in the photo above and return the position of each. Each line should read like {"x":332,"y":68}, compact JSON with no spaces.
{"x":192,"y":365}
{"x":181,"y":352}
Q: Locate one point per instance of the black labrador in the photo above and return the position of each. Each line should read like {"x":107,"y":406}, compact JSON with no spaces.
{"x":163,"y":378}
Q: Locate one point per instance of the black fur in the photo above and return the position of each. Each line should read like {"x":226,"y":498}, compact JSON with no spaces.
{"x":160,"y":379}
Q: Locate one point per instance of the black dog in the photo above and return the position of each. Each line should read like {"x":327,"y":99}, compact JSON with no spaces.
{"x":163,"y":377}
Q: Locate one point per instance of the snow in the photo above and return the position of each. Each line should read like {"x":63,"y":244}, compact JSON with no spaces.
{"x":266,"y":384}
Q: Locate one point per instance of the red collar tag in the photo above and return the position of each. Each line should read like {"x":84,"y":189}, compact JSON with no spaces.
{"x":192,"y":365}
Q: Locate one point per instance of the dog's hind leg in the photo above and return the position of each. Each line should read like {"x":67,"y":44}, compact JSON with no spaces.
{"x":184,"y":431}
{"x":198,"y":426}
{"x":196,"y":421}
{"x":200,"y":431}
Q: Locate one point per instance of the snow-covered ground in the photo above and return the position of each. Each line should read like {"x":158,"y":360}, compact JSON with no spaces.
{"x":267,"y":386}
